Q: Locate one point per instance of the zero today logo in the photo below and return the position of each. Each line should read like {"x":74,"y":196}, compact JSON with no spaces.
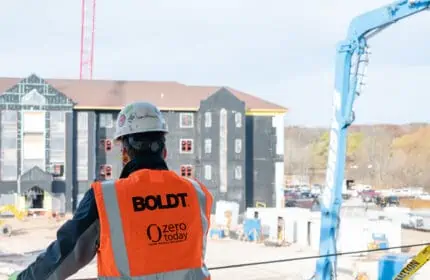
{"x":166,"y":233}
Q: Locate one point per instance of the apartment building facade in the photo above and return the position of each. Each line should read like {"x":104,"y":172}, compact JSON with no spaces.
{"x":56,"y":136}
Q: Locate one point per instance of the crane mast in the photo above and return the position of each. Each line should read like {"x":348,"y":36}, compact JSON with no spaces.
{"x":87,"y":39}
{"x":351,"y":61}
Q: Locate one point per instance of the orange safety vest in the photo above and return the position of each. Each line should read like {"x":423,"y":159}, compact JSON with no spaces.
{"x":153,"y":225}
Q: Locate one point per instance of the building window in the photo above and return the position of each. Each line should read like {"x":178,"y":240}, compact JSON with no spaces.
{"x":238,"y":119}
{"x":33,"y":151}
{"x":106,"y":120}
{"x":208,"y":172}
{"x":238,"y":146}
{"x":57,"y":152}
{"x":186,"y":120}
{"x":82,"y":146}
{"x":33,"y":121}
{"x":208,"y":146}
{"x":186,"y":170}
{"x":238,"y":172}
{"x":186,"y":146}
{"x":33,"y":140}
{"x":208,"y":119}
{"x":105,"y":171}
{"x":8,"y":156}
{"x":106,"y":145}
{"x":223,"y":150}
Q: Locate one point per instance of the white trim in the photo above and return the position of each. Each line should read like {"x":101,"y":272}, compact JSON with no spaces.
{"x":223,"y":150}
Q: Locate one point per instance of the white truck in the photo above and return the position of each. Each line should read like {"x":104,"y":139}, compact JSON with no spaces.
{"x":348,"y":190}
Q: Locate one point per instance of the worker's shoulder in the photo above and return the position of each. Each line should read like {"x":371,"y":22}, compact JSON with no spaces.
{"x":86,"y":208}
{"x":196,"y":183}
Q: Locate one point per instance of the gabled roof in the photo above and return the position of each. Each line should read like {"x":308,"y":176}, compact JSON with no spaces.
{"x":107,"y":94}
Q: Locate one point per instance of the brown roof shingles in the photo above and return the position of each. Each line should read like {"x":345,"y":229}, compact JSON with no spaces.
{"x":115,"y":94}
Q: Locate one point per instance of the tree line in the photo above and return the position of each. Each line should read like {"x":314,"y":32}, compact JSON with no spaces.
{"x":380,"y":155}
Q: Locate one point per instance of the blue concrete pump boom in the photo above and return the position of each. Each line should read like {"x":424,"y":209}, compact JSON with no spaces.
{"x":351,"y":63}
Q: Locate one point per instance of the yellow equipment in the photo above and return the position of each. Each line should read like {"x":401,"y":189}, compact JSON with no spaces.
{"x":259,"y":204}
{"x":415,"y":264}
{"x":20,"y":215}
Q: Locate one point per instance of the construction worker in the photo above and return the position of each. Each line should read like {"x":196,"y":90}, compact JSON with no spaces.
{"x":149,"y":224}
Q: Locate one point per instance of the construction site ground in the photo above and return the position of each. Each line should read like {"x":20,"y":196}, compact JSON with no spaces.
{"x":35,"y":234}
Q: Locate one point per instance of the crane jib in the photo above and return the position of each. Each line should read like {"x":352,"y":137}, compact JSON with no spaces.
{"x":360,"y":29}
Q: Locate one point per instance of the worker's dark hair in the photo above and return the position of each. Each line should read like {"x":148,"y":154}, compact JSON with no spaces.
{"x":144,"y":144}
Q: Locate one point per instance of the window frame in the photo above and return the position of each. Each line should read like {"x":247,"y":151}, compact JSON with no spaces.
{"x":238,"y":119}
{"x":236,"y":172}
{"x":208,"y":143}
{"x":208,"y":170}
{"x":108,"y":120}
{"x":238,"y":145}
{"x":39,"y":139}
{"x":192,"y":145}
{"x":187,"y":168}
{"x":102,"y":171}
{"x":208,"y":119}
{"x":9,"y":120}
{"x":182,"y":115}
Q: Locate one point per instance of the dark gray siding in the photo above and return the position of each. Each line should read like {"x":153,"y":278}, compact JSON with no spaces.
{"x":236,"y":190}
{"x":249,"y":174}
{"x":174,"y":156}
{"x":262,"y":157}
{"x":7,"y":187}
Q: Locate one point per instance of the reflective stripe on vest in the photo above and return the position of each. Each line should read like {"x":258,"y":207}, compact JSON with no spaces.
{"x":118,"y":243}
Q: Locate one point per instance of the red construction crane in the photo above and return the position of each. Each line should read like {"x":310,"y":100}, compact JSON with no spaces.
{"x":87,"y":39}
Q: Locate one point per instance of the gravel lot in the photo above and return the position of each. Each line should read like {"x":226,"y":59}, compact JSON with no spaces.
{"x":35,"y":234}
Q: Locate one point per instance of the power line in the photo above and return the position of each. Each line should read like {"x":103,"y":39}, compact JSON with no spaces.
{"x":316,"y":257}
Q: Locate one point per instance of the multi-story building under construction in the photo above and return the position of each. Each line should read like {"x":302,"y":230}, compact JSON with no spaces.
{"x":56,"y":137}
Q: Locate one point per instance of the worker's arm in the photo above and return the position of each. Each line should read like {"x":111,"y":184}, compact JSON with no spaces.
{"x":75,"y":247}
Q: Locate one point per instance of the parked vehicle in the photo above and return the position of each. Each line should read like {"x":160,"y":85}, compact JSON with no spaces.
{"x":391,"y":200}
{"x":368,"y":195}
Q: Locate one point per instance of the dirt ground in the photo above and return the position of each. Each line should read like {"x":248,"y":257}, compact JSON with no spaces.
{"x":35,"y":234}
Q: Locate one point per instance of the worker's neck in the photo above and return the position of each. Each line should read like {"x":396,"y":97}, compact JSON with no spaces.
{"x":154,"y":162}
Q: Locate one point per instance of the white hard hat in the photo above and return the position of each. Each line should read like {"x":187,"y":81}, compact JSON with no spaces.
{"x":139,"y":117}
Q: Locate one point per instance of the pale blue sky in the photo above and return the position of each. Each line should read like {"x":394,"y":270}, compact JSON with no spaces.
{"x":280,"y":50}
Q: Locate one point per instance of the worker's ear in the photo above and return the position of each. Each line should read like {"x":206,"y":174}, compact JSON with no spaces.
{"x":124,"y":156}
{"x":164,"y":153}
